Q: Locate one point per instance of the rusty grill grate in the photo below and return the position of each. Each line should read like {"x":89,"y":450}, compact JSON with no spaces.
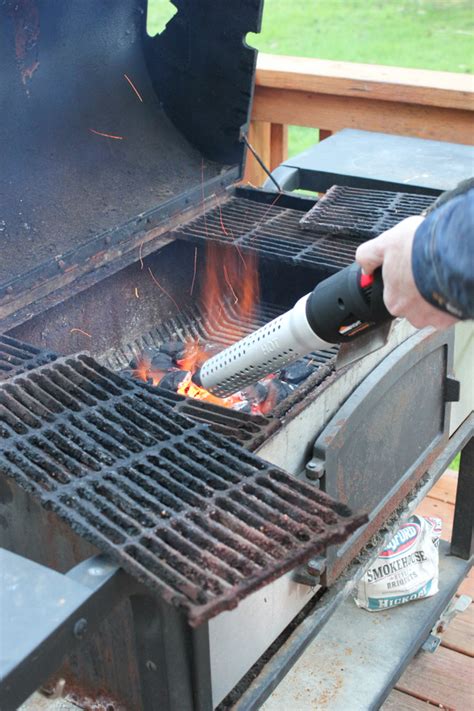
{"x":17,"y":357}
{"x":199,"y":520}
{"x":223,"y":327}
{"x":358,"y":212}
{"x":272,"y":231}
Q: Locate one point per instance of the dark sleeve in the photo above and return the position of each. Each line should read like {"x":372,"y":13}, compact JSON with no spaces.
{"x":443,"y":257}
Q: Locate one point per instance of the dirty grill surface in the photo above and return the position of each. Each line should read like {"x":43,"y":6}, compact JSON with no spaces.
{"x":223,"y":327}
{"x":199,"y":520}
{"x":17,"y":357}
{"x":362,"y":213}
{"x":273,"y":231}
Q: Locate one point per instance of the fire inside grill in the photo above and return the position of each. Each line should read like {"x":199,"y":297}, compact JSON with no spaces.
{"x":230,"y":309}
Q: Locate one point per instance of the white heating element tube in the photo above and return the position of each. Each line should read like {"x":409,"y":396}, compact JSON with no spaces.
{"x":282,"y":341}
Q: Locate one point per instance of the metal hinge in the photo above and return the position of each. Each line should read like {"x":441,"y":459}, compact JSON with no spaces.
{"x":452,"y":390}
{"x":457,"y":604}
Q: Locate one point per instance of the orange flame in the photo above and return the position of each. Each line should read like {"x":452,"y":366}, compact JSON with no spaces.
{"x":228,"y":276}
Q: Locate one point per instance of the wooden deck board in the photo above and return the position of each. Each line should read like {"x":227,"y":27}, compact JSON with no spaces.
{"x":459,"y":635}
{"x":467,"y":586}
{"x":445,"y":488}
{"x":440,"y":509}
{"x":398,"y":701}
{"x":444,"y":677}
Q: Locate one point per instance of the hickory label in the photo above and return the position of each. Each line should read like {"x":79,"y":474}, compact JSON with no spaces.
{"x":405,"y":570}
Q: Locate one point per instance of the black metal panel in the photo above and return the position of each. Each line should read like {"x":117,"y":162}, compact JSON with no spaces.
{"x":462,"y":541}
{"x":362,"y":213}
{"x":385,"y":436}
{"x":199,"y":520}
{"x":203,"y":71}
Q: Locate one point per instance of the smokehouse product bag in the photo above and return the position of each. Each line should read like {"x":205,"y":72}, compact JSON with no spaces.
{"x":407,"y":569}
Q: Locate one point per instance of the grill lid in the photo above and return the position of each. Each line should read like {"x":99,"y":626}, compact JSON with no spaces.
{"x":197,"y":519}
{"x":105,"y":138}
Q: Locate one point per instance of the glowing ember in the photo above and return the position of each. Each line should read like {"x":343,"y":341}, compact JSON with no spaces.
{"x":194,"y":357}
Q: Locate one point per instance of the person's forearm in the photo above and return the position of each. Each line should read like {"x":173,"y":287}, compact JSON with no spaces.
{"x":443,"y":257}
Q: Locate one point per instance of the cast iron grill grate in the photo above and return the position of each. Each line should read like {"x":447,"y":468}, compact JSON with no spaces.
{"x":223,"y":327}
{"x":17,"y":357}
{"x":272,"y":231}
{"x":357,"y":212}
{"x":199,"y":520}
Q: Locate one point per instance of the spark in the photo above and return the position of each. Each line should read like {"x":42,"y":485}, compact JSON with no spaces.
{"x":162,"y":288}
{"x":106,"y":135}
{"x":222,"y":222}
{"x":79,"y":330}
{"x":134,"y":87}
{"x":230,"y":285}
{"x":203,"y":199}
{"x":265,"y":214}
{"x":137,"y":295}
{"x":194,"y":271}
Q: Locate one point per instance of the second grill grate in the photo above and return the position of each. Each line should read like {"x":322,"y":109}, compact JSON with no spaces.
{"x":358,"y":212}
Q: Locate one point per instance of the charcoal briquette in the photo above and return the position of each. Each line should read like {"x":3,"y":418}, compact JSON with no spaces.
{"x":162,"y":362}
{"x":174,"y":349}
{"x":277,"y":392}
{"x":296,"y":372}
{"x":243,"y":406}
{"x":255,"y":393}
{"x":173,"y":379}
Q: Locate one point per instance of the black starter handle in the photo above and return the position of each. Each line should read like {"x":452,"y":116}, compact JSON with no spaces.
{"x":347,"y":304}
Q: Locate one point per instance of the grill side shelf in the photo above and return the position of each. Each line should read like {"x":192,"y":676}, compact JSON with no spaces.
{"x":196,"y":518}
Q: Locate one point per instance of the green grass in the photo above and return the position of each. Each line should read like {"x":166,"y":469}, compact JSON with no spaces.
{"x":407,"y":33}
{"x":455,"y":463}
{"x":425,"y":34}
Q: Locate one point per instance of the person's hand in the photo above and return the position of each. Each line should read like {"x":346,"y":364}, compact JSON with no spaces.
{"x":392,"y":251}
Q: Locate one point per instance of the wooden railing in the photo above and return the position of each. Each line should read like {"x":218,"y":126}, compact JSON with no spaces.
{"x":329,"y":96}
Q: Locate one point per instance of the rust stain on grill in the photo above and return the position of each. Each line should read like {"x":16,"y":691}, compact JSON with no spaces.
{"x":26,"y":22}
{"x":196,"y":518}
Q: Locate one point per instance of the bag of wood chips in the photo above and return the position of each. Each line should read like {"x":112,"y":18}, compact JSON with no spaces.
{"x":407,"y":569}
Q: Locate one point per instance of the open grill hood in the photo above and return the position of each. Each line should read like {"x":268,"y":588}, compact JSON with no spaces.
{"x":173,"y":108}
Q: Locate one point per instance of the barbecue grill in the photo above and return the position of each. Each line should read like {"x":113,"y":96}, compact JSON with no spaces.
{"x":121,"y":160}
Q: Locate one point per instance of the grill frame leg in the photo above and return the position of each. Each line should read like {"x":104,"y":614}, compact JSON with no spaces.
{"x":462,"y":539}
{"x":173,"y":658}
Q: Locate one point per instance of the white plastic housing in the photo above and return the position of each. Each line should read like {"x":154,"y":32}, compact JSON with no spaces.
{"x":278,"y":343}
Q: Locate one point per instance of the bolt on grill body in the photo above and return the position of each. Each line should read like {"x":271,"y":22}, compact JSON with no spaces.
{"x":198,"y":519}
